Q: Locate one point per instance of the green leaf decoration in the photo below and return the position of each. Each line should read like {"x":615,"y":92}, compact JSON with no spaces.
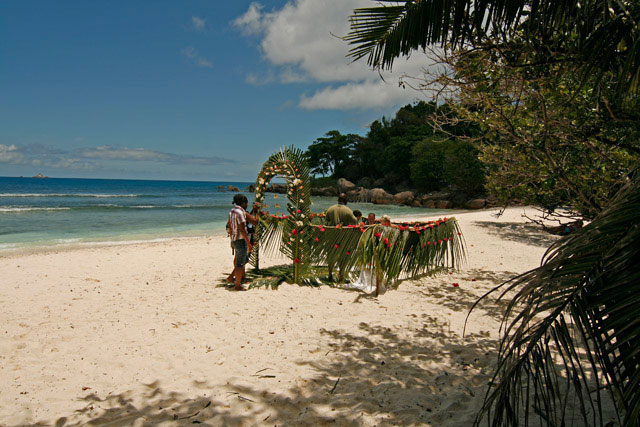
{"x":399,"y":251}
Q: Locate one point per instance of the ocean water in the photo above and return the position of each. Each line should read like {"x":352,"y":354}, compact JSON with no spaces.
{"x":36,"y":212}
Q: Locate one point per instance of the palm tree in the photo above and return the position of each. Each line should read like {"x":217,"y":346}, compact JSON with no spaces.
{"x":574,"y":323}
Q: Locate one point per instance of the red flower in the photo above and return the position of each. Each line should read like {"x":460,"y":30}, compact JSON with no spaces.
{"x":428,"y":243}
{"x":317,"y":240}
{"x":298,"y":211}
{"x":297,"y":260}
{"x":378,"y":235}
{"x":348,"y":253}
{"x":336,"y":246}
{"x":386,"y":241}
{"x":294,"y":231}
{"x":445,"y":239}
{"x":322,"y":229}
{"x":417,"y":231}
{"x":459,"y":234}
{"x":439,"y":241}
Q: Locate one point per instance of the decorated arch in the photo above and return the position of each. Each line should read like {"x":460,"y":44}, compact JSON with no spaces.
{"x":401,"y":250}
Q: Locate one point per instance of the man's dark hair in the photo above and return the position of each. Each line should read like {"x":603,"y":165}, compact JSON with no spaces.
{"x":342,"y":199}
{"x":357,"y":213}
{"x":239,"y":199}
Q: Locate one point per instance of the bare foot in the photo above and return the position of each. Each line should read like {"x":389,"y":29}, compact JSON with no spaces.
{"x":239,"y":289}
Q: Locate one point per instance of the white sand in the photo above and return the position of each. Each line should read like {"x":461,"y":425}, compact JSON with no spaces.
{"x":140,"y":334}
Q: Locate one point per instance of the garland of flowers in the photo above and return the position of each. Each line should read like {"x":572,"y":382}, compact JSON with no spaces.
{"x":289,"y":164}
{"x":398,"y":250}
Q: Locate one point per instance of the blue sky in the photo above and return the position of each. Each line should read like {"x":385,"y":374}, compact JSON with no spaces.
{"x":188,"y":90}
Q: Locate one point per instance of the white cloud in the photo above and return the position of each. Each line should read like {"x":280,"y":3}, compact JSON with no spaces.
{"x":256,"y":79}
{"x":195,"y":57}
{"x":301,"y":40}
{"x":360,"y":95}
{"x":107,"y":152}
{"x":10,"y":154}
{"x":198,"y":24}
{"x":93,"y":158}
{"x":253,"y":21}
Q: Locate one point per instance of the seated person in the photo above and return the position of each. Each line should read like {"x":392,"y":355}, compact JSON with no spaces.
{"x":371,"y":218}
{"x":341,"y":215}
{"x":358,"y":215}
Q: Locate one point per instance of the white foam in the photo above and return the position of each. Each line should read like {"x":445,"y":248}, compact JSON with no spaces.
{"x":29,"y":209}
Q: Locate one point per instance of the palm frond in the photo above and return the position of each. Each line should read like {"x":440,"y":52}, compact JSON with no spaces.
{"x":400,"y":251}
{"x":603,"y":35}
{"x":593,"y":276}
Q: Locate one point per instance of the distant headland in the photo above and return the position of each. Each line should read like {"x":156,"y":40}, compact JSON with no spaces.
{"x":40,"y":176}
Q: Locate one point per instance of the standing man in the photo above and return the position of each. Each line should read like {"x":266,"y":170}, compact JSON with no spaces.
{"x":339,"y":214}
{"x":240,"y":238}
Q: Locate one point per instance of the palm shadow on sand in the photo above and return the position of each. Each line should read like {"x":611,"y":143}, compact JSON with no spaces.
{"x":376,"y":374}
{"x":529,"y":234}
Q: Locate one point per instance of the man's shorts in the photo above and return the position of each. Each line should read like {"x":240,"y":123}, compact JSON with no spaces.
{"x":242,"y":252}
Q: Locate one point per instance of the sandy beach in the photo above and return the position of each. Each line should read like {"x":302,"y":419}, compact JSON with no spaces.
{"x":142,"y":334}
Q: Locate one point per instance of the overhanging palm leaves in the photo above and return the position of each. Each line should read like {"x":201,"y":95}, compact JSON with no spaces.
{"x":591,"y":277}
{"x":604,"y":35}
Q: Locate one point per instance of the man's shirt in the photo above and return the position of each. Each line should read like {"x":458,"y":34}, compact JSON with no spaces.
{"x":340,"y":214}
{"x":236,"y":217}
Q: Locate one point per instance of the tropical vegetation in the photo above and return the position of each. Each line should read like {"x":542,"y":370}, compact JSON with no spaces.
{"x":408,"y":151}
{"x":572,"y":332}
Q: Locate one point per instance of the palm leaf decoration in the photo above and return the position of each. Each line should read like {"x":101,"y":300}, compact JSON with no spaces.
{"x":401,"y":251}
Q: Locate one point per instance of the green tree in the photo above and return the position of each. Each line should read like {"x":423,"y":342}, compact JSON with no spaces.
{"x":427,"y":167}
{"x":329,"y":155}
{"x":590,"y":276}
{"x":544,"y":142}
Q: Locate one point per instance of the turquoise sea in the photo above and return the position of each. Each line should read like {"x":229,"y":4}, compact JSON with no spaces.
{"x":45,"y":212}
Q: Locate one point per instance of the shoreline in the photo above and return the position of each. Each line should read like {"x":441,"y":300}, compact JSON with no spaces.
{"x":23,"y":248}
{"x":143,"y":334}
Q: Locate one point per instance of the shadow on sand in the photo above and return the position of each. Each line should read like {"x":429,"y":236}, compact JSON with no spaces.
{"x":529,"y":234}
{"x":373,"y":375}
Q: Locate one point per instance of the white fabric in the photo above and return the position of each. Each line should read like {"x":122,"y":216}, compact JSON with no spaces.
{"x":366,"y":282}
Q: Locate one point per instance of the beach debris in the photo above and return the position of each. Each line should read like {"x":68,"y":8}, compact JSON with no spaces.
{"x":455,"y":285}
{"x":335,"y":385}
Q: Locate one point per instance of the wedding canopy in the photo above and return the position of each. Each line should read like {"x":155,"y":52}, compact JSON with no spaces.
{"x":402,"y":250}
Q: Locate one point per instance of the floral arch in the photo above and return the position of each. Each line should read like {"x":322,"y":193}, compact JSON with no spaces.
{"x":402,"y":250}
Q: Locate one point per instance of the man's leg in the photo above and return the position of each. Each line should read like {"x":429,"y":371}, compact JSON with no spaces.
{"x":241,"y":260}
{"x":231,"y":277}
{"x":239,"y":273}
